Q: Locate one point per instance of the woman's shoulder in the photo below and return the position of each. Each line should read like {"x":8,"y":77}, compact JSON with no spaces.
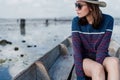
{"x":108,"y":17}
{"x":75,"y":21}
{"x":108,"y":21}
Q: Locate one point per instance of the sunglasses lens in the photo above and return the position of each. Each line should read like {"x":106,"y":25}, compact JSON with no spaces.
{"x":79,"y":6}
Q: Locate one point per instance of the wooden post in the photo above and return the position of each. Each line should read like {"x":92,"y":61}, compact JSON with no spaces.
{"x":46,"y":22}
{"x":22,"y":26}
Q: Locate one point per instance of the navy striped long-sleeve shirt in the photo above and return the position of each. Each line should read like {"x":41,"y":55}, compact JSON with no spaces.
{"x":90,"y":43}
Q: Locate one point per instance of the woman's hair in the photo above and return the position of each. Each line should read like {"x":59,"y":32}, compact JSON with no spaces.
{"x":97,"y":16}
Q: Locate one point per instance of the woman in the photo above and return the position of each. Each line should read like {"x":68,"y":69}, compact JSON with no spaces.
{"x":91,"y":34}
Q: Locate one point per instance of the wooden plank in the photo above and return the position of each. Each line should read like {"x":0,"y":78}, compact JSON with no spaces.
{"x":63,"y":49}
{"x":67,"y":42}
{"x":62,"y":67}
{"x":73,"y":77}
{"x":70,"y":75}
{"x":118,"y":53}
{"x":42,"y":74}
{"x":113,"y":48}
{"x":52,"y":59}
{"x":28,"y":74}
{"x":49,"y":58}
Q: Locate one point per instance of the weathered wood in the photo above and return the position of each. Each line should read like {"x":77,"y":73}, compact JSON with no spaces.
{"x":62,"y":67}
{"x":70,"y":41}
{"x":113,"y":47}
{"x":67,"y":42}
{"x":118,"y":53}
{"x":70,"y":74}
{"x":52,"y":66}
{"x":49,"y":58}
{"x":73,"y":77}
{"x":22,"y":26}
{"x":28,"y":74}
{"x":63,"y":49}
{"x":42,"y":73}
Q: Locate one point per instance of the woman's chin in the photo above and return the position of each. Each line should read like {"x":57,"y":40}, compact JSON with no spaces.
{"x":80,"y":16}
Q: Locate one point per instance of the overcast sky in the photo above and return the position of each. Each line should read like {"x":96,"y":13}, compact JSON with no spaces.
{"x":47,"y":8}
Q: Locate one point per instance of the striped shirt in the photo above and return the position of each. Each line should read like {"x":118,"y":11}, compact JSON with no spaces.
{"x":90,"y":43}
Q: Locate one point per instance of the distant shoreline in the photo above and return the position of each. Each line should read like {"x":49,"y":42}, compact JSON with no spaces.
{"x":62,"y":19}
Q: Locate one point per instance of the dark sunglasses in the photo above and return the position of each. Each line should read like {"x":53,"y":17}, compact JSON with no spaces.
{"x":79,"y":6}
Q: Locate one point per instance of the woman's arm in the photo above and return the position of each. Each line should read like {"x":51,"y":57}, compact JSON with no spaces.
{"x":102,"y":50}
{"x":77,"y":49}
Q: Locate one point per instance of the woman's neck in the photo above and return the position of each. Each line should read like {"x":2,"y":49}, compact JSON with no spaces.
{"x":89,"y":19}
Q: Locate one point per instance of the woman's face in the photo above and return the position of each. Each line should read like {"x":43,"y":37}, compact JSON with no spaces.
{"x":82,"y":9}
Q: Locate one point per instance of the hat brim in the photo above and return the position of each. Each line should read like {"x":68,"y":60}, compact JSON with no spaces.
{"x":100,"y":3}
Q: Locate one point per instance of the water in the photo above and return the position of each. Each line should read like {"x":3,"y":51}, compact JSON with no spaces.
{"x":25,"y":49}
{"x":39,"y":38}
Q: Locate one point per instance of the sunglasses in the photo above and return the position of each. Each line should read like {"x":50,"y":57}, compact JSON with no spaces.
{"x":79,"y":6}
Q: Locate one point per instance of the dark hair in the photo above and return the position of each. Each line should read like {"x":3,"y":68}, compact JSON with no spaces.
{"x":97,"y":16}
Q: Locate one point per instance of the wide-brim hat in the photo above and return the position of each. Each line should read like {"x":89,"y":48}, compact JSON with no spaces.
{"x":100,"y":3}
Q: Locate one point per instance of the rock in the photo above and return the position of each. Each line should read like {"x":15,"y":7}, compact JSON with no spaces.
{"x":29,"y":46}
{"x":2,"y":61}
{"x":10,"y":59}
{"x":22,"y":55}
{"x":16,"y":48}
{"x":23,"y":41}
{"x":5,"y":42}
{"x":35,"y":45}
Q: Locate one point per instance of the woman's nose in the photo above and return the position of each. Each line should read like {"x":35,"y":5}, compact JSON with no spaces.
{"x":76,"y":9}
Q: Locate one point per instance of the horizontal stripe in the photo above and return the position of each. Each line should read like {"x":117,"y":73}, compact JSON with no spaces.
{"x":93,"y":32}
{"x":108,"y":30}
{"x":89,"y":32}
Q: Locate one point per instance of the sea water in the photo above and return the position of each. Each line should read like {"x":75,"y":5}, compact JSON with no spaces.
{"x":38,"y":39}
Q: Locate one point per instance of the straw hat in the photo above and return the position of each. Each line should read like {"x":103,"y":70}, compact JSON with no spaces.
{"x":100,"y":3}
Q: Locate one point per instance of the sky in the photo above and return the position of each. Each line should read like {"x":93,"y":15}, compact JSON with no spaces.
{"x":48,"y":8}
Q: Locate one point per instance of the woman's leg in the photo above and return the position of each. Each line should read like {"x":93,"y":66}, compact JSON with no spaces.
{"x":111,"y":65}
{"x":93,"y":69}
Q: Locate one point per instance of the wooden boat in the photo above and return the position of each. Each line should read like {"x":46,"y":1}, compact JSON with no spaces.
{"x":114,"y":49}
{"x":54,"y":65}
{"x":57,"y":64}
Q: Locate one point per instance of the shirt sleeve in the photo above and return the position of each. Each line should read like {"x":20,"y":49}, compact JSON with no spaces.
{"x":102,"y":50}
{"x":77,"y":49}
